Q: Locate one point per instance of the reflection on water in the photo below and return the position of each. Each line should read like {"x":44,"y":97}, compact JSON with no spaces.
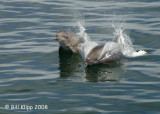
{"x":103,"y":73}
{"x":70,"y":63}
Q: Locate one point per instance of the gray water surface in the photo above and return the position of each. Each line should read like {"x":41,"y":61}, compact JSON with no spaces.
{"x":33,"y":71}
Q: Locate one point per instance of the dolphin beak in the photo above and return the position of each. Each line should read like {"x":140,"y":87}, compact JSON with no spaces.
{"x":55,"y":38}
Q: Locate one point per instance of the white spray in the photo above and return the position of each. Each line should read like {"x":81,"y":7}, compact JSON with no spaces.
{"x":126,"y":44}
{"x":88,"y":45}
{"x":123,"y":44}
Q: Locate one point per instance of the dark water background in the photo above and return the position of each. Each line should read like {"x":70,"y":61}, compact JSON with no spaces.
{"x":33,"y":72}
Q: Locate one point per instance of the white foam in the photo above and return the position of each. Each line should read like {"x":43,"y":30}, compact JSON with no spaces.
{"x":139,"y":53}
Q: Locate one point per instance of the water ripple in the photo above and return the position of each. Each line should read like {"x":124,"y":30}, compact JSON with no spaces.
{"x":33,"y":71}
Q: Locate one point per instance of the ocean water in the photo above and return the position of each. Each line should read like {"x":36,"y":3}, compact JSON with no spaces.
{"x":37,"y":77}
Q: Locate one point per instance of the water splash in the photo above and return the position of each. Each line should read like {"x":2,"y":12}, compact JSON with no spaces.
{"x":124,"y":40}
{"x":122,"y":43}
{"x":125,"y":43}
{"x":82,"y":32}
{"x":88,"y":45}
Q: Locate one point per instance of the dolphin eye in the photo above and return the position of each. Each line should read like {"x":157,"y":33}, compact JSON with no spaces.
{"x":65,"y":36}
